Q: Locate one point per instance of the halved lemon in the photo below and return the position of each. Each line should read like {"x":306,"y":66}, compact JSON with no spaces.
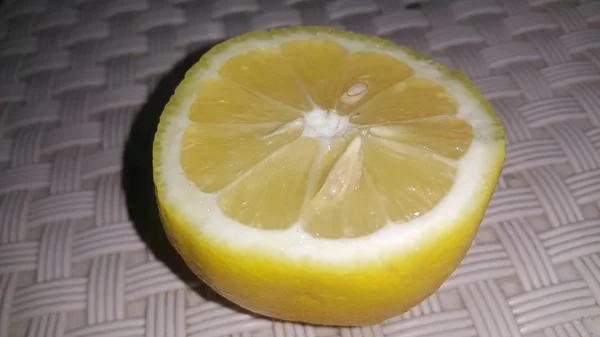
{"x":322,"y":176}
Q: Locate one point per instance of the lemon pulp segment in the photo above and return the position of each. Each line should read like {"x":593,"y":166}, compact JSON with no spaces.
{"x":248,"y":141}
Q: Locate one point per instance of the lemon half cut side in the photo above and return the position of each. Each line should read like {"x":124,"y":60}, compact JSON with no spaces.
{"x":320,"y":176}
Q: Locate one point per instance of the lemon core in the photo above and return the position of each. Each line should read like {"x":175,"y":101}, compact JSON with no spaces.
{"x":325,"y":124}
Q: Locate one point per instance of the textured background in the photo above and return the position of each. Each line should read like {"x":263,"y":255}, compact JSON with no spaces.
{"x":78,"y":257}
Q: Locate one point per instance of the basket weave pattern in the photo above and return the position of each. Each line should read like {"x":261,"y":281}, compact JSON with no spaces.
{"x":81,"y":254}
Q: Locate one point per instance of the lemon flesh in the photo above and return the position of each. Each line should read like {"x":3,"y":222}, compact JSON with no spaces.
{"x":315,"y":175}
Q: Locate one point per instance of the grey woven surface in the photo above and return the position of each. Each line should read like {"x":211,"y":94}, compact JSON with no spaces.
{"x":74,"y":74}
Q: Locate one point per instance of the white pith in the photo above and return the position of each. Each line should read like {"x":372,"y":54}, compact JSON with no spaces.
{"x":201,"y":209}
{"x":320,"y":123}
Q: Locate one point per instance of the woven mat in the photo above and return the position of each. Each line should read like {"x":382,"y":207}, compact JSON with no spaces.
{"x":81,"y":249}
